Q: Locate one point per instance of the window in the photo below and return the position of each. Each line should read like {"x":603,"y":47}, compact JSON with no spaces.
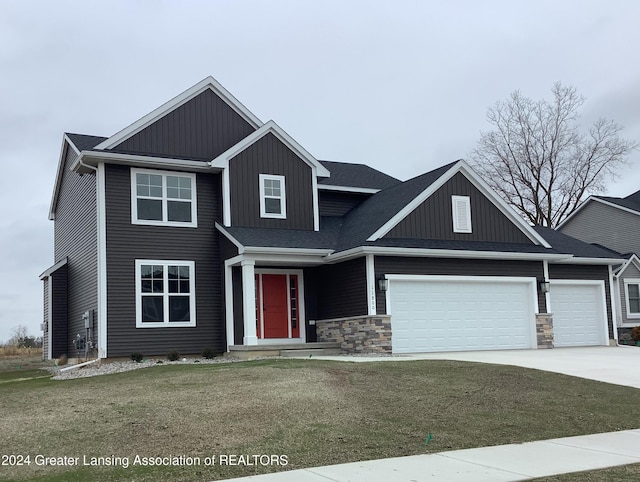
{"x":461,"y":210}
{"x":632,"y":295}
{"x":163,"y":198}
{"x":165,"y":293}
{"x":272,"y":197}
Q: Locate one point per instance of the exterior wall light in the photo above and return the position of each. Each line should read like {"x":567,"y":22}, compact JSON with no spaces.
{"x":545,"y":286}
{"x":383,"y":284}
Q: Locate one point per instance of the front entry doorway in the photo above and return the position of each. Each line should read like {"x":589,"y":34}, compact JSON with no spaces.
{"x":278,"y":305}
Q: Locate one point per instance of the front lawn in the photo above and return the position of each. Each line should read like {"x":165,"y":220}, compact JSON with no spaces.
{"x":313,"y":412}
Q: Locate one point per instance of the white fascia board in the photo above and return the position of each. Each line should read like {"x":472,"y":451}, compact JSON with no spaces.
{"x":409,"y":208}
{"x":602,"y":261}
{"x":358,"y":190}
{"x":502,"y":205}
{"x":228,"y":235}
{"x":601,"y":201}
{"x":444,"y":253}
{"x":183,"y":98}
{"x":93,"y":158}
{"x":56,"y":187}
{"x":462,"y":167}
{"x":285,"y":251}
{"x":49,"y":271}
{"x":222,"y":161}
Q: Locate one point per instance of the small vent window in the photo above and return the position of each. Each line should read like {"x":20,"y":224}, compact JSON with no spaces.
{"x":461,"y":210}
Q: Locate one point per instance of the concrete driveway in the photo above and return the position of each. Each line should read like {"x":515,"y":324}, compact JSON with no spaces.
{"x":618,"y":365}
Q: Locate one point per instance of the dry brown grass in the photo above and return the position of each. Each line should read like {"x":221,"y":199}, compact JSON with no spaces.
{"x":315,"y":412}
{"x":14,"y":351}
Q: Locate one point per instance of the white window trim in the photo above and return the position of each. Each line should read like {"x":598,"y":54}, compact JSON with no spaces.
{"x":283,"y":197}
{"x":627,"y":282}
{"x":454,"y":211}
{"x":164,"y":222}
{"x":192,"y":294}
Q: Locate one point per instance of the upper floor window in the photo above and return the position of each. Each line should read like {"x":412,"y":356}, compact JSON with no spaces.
{"x":632,"y":291}
{"x":461,"y":210}
{"x":163,"y":198}
{"x":273,"y":203}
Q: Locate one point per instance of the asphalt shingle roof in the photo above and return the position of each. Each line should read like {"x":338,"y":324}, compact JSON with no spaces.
{"x":561,"y":243}
{"x":84,"y":142}
{"x":356,"y":175}
{"x":630,"y":202}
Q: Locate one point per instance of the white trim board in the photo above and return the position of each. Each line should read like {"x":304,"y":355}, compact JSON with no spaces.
{"x":181,"y":99}
{"x":357,"y":190}
{"x":463,"y":168}
{"x":602,"y":201}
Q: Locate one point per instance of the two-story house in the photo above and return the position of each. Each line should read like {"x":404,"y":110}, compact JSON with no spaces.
{"x":614,"y":223}
{"x":201,"y":226}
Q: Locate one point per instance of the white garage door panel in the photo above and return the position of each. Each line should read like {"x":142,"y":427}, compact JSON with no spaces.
{"x":456,"y":315}
{"x":579,"y":317}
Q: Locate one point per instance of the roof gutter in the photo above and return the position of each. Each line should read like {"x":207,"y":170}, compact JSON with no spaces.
{"x":89,"y":160}
{"x":444,"y":253}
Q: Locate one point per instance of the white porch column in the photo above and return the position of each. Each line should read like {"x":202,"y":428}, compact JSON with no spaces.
{"x":249,"y":302}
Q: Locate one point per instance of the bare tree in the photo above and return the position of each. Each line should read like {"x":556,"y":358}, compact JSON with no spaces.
{"x":539,"y":160}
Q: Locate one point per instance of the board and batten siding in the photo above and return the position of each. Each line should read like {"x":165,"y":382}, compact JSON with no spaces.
{"x":127,"y":242}
{"x":60,"y":335}
{"x":75,"y":237}
{"x":605,"y":225}
{"x":269,"y":155}
{"x":585,"y":272}
{"x":202,"y":128}
{"x":341,"y":289}
{"x":338,"y":203}
{"x":385,"y":265}
{"x":630,"y":272}
{"x":45,"y":318}
{"x":433,"y":219}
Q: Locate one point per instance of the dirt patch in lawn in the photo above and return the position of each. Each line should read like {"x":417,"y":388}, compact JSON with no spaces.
{"x":314,"y":412}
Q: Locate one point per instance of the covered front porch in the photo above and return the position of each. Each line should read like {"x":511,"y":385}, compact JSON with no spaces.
{"x":266,"y":298}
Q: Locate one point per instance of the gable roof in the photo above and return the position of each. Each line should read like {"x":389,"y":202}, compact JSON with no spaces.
{"x":167,"y":107}
{"x":222,"y":161}
{"x":83,"y":142}
{"x":630,"y":204}
{"x":357,"y":177}
{"x":631,"y":258}
{"x":389,"y":207}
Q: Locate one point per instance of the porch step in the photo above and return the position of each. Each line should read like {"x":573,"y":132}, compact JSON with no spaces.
{"x":285,"y":350}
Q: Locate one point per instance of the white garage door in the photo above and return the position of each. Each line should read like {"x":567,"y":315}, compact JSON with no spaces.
{"x":579,"y":315}
{"x":449,"y":313}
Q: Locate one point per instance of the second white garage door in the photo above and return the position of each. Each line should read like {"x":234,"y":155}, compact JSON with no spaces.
{"x":579,"y":316}
{"x":450,"y":313}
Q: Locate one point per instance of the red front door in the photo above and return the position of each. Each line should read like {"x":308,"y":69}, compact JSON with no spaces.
{"x":275,"y":310}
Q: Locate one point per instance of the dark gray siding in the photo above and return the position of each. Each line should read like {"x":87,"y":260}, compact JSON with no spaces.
{"x":581,"y":272}
{"x":238,"y":313}
{"x":127,"y":242}
{"x":45,"y":318}
{"x":310,"y":301}
{"x":611,"y":227}
{"x":433,"y":218}
{"x":270,"y":156}
{"x":341,"y":289}
{"x":75,"y":237}
{"x":59,"y":313}
{"x":337,"y":203}
{"x":204,"y":128}
{"x":459,"y":267}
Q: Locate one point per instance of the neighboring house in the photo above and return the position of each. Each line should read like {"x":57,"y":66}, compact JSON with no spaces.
{"x":614,"y":223}
{"x":201,"y":226}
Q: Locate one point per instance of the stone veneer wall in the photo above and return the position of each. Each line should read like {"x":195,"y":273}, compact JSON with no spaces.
{"x":357,"y":334}
{"x":544,"y":330}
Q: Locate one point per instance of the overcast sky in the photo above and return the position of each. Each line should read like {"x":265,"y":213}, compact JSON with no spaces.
{"x":401,"y":85}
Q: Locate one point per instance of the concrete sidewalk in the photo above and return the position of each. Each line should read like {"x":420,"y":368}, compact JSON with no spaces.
{"x":491,"y":464}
